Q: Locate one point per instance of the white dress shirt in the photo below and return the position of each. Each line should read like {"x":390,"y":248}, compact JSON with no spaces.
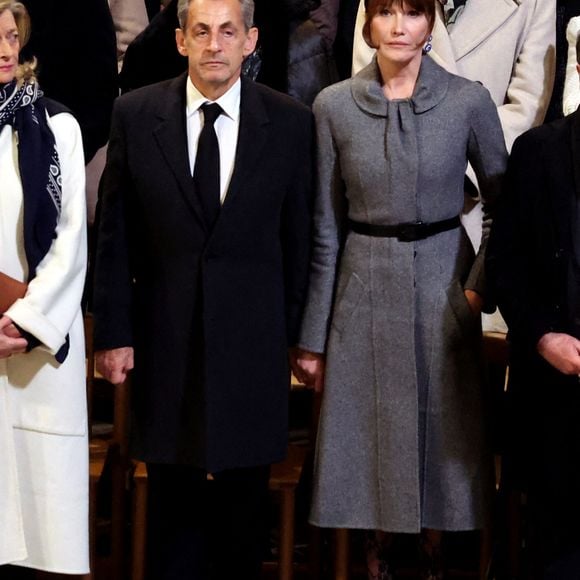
{"x":226,"y":127}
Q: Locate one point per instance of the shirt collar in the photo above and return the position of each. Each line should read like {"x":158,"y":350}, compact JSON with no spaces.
{"x":229,"y":101}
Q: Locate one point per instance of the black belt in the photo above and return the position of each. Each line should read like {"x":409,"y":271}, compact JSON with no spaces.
{"x":409,"y":232}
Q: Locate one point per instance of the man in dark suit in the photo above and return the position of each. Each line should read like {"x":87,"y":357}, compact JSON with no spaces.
{"x":204,"y":293}
{"x":533,"y":262}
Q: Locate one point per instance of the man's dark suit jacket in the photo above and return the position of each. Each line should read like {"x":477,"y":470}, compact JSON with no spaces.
{"x":529,"y":263}
{"x":210,"y":313}
{"x":528,"y":259}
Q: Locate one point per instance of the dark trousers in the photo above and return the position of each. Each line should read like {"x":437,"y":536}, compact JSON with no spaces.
{"x":550,"y":407}
{"x":16,"y":573}
{"x":202,"y":529}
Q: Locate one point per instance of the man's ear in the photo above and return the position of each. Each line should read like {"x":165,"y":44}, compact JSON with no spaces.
{"x":251,"y":41}
{"x":180,"y":41}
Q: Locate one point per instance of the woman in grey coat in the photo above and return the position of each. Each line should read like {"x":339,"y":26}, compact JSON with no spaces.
{"x":392,"y":324}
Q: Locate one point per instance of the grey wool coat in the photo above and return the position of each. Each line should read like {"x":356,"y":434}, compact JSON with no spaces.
{"x":401,"y":443}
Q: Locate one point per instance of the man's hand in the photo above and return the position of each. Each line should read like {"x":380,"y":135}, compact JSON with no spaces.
{"x":115,"y":364}
{"x":11,"y":341}
{"x":474,"y":300}
{"x":308,"y":368}
{"x":562,"y":351}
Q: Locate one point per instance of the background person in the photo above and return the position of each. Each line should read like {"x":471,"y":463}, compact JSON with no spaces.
{"x":534,"y":267}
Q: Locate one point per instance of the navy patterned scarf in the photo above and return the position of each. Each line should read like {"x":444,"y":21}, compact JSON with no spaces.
{"x":39,"y":167}
{"x":39,"y":171}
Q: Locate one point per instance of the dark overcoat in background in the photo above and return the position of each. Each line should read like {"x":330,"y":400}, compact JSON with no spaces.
{"x":294,"y":55}
{"x":76,"y":48}
{"x":210,"y":312}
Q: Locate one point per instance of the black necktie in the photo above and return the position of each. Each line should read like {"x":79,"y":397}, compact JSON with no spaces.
{"x":206,"y":172}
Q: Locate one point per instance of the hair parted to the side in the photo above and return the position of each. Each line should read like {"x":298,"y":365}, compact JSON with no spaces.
{"x":373,"y":7}
{"x":247,"y":12}
{"x":26,"y":70}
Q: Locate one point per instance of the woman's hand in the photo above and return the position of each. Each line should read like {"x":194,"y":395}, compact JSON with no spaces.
{"x":475,"y":301}
{"x":11,"y":341}
{"x":308,"y":367}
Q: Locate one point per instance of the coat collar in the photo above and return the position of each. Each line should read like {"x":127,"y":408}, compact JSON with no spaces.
{"x":563,"y":199}
{"x":251,"y":139}
{"x":431,"y":88}
{"x":575,"y":147}
{"x":479,"y":20}
{"x":171,"y":136}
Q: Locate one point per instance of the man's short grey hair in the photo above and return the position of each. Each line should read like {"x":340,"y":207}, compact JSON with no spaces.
{"x":247,"y":12}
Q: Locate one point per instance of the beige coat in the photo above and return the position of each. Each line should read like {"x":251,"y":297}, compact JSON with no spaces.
{"x":130,"y":19}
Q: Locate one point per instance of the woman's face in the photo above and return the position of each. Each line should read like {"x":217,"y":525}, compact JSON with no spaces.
{"x":9,"y":47}
{"x":399,"y":33}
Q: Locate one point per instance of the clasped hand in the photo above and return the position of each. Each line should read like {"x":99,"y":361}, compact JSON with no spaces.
{"x":11,"y":341}
{"x":308,"y":367}
{"x":562,"y":351}
{"x":115,"y":364}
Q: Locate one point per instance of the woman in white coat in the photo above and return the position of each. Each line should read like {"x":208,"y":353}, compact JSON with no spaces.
{"x":43,"y":424}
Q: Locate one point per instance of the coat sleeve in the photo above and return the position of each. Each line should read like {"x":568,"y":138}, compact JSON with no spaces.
{"x":488,"y":156}
{"x":296,"y":227}
{"x":511,"y":261}
{"x":571,"y":98}
{"x":530,"y":87}
{"x":53,"y":298}
{"x":362,"y":53}
{"x":112,"y":290}
{"x":130,"y":19}
{"x":330,"y":212}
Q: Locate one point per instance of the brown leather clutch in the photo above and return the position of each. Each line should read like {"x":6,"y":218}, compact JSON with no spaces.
{"x":10,"y":291}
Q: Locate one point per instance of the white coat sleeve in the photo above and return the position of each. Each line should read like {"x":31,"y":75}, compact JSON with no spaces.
{"x":52,"y":300}
{"x":571,"y":98}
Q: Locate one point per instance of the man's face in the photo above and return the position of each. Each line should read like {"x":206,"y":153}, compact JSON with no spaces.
{"x":215,"y":42}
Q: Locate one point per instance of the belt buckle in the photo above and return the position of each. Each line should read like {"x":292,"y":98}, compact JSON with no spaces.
{"x":410,"y":232}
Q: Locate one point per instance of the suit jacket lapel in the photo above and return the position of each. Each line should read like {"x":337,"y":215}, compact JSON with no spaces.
{"x":251,"y":139}
{"x":575,"y":146}
{"x":171,"y":137}
{"x":478,"y":21}
{"x":564,"y":204}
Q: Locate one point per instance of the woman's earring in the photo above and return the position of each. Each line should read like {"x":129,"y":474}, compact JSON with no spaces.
{"x":427,"y":48}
